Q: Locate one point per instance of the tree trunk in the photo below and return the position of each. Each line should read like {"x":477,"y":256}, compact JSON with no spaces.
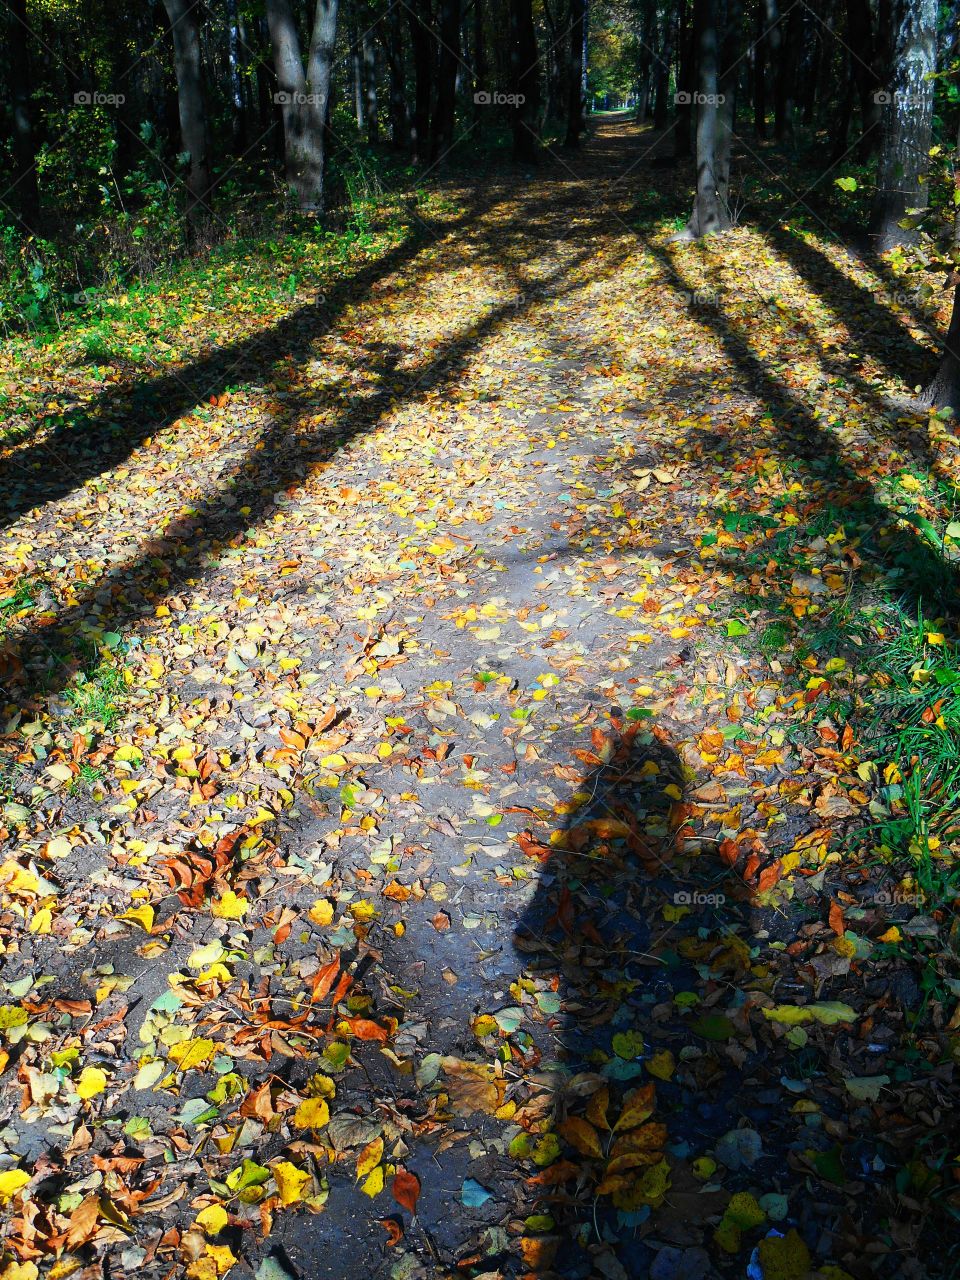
{"x":861,"y":39}
{"x":423,"y":74}
{"x":25,"y":187}
{"x":399,"y":120}
{"x":907,"y":122}
{"x":525,"y":80}
{"x":238,"y":119}
{"x":576,"y":86}
{"x":369,"y":49}
{"x":785,"y":76}
{"x":191,"y":103}
{"x":304,"y":99}
{"x":760,"y":76}
{"x":447,"y":64}
{"x":727,"y":107}
{"x":662,"y":76}
{"x":944,"y":391}
{"x":709,"y":213}
{"x":479,"y":60}
{"x":356,"y":73}
{"x":686,"y":83}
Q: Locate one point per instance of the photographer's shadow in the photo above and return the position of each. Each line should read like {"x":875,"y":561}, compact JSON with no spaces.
{"x":626,"y":907}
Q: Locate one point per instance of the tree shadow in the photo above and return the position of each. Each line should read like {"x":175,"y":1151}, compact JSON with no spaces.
{"x":896,"y":551}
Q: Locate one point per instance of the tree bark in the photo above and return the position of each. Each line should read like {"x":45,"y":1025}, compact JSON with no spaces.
{"x":944,"y":391}
{"x":783,"y":90}
{"x":25,"y":187}
{"x":304,"y":98}
{"x":448,"y":61}
{"x":479,"y":59}
{"x":356,"y":73}
{"x":399,"y":119}
{"x":369,"y":50}
{"x":525,"y":80}
{"x":661,"y":109}
{"x":191,"y":103}
{"x":238,"y":114}
{"x":760,"y":76}
{"x":709,"y":211}
{"x":686,"y":83}
{"x":907,"y":122}
{"x":576,"y":77}
{"x":417,"y":18}
{"x":862,"y":39}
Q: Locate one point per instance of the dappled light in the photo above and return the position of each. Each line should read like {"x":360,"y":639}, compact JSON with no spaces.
{"x":479,"y":661}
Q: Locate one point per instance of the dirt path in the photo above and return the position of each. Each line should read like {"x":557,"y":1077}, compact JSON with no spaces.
{"x":444,"y":701}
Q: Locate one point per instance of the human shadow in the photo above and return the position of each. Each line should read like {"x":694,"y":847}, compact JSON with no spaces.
{"x":626,"y":907}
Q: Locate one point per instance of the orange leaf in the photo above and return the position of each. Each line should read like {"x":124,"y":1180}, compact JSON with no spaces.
{"x":836,"y":919}
{"x":324,"y":979}
{"x":406,"y":1189}
{"x":769,"y":877}
{"x":366,"y":1029}
{"x":729,"y":852}
{"x":394,"y":1231}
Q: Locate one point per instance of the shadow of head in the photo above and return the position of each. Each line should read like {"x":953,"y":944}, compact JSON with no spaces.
{"x":610,"y":937}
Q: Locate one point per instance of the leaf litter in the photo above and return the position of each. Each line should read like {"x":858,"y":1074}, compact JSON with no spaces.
{"x":435,"y":825}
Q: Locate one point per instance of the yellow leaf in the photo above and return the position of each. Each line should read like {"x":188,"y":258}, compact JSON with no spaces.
{"x":12,"y":1181}
{"x":637,"y":1107}
{"x":312,"y":1113}
{"x":41,"y":921}
{"x":90,"y":1082}
{"x":142,"y":916}
{"x":191,"y":1054}
{"x":892,"y":934}
{"x":213,"y":1219}
{"x":369,"y":1157}
{"x":582,"y":1136}
{"x":17,"y":879}
{"x":662,"y":1064}
{"x":374,"y":1183}
{"x":321,"y":912}
{"x":20,"y":1271}
{"x":290,"y":1182}
{"x":230,"y":906}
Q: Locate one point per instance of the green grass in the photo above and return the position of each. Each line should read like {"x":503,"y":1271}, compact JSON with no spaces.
{"x":22,"y":595}
{"x":98,"y":691}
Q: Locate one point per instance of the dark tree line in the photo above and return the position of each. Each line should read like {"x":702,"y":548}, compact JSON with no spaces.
{"x":211,"y":87}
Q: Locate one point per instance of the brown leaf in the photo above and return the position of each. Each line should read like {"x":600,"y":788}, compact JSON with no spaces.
{"x":406,"y":1189}
{"x":83,"y":1222}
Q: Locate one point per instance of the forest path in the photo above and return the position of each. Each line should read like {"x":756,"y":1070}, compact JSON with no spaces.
{"x":467,"y":620}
